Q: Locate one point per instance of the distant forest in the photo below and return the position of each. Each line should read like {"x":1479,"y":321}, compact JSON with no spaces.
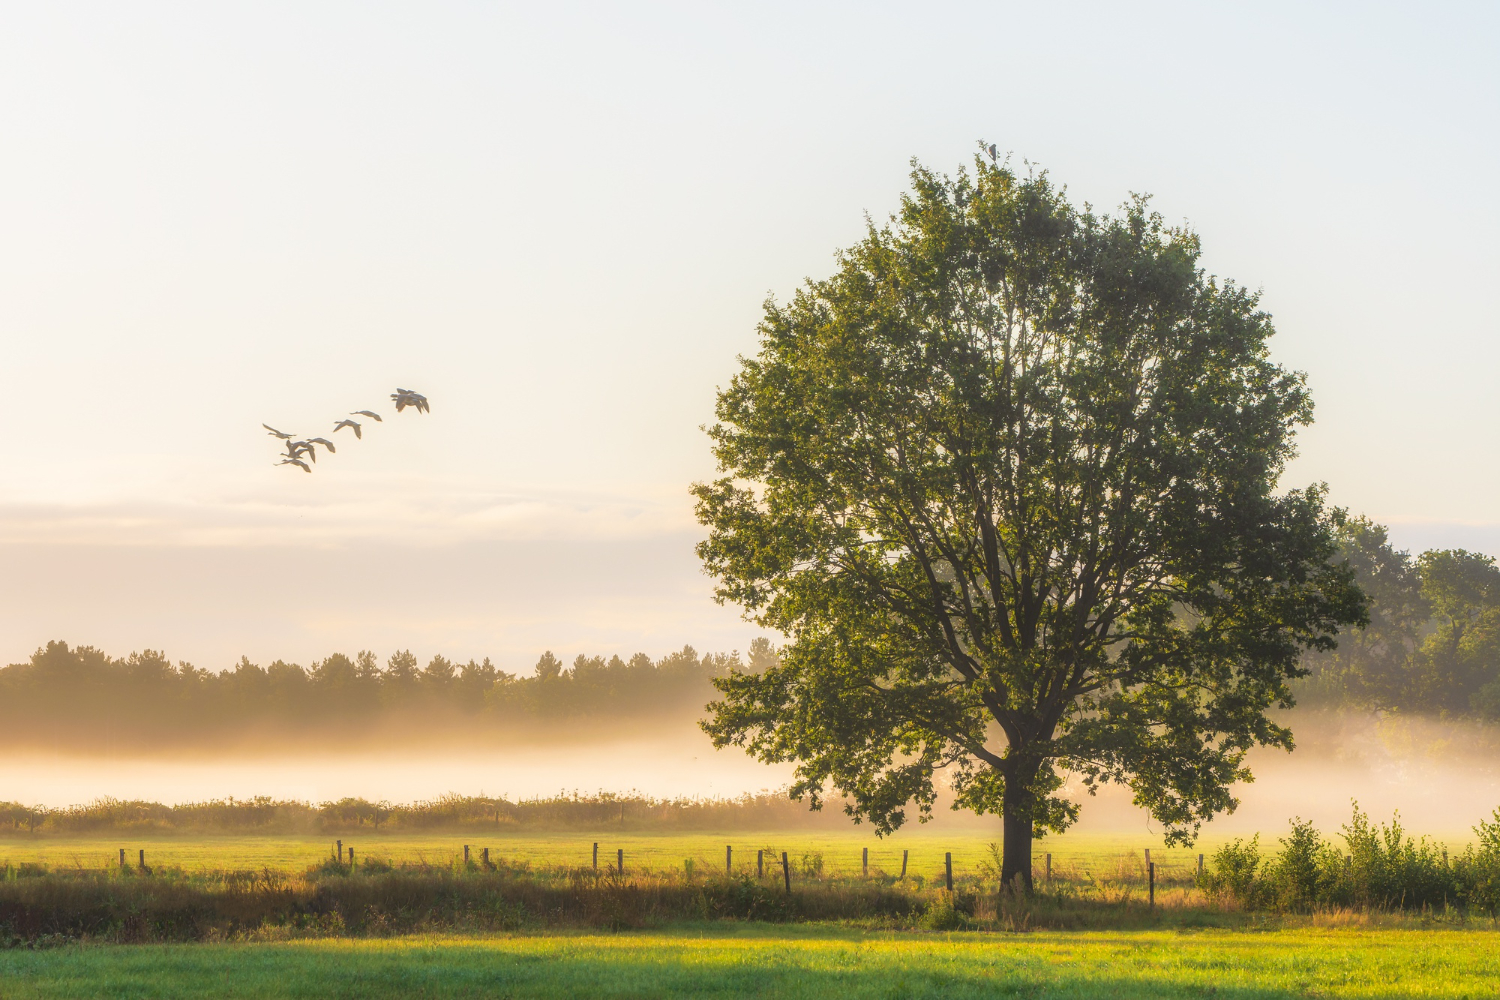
{"x":1432,"y":647}
{"x":620,"y":813}
{"x":82,"y":698}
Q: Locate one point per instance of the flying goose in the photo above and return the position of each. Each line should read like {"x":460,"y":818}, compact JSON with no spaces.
{"x":406,"y":397}
{"x":276,"y":433}
{"x":297,"y":462}
{"x":348,"y":423}
{"x":322,"y":441}
{"x":368,"y":413}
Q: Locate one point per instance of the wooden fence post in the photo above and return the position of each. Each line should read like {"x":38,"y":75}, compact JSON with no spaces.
{"x":728,"y":859}
{"x":143,"y":859}
{"x":122,"y":857}
{"x":948,"y":870}
{"x":1200,"y":866}
{"x":1049,"y":866}
{"x":866,"y":862}
{"x":620,"y":858}
{"x":484,"y":857}
{"x":466,"y":855}
{"x":1151,"y":883}
{"x":786,"y":872}
{"x":903,"y":863}
{"x":596,"y":855}
{"x":760,"y":864}
{"x":340,"y":843}
{"x":351,"y":859}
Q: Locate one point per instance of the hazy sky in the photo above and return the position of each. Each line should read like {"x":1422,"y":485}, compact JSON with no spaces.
{"x":559,"y":222}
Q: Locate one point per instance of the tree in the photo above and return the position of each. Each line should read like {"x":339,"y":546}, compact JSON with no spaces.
{"x":548,"y":667}
{"x":1008,"y":483}
{"x":440,"y":674}
{"x":1461,"y":655}
{"x":1373,"y":667}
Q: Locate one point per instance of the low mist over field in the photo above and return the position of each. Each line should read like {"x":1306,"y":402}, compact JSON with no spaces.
{"x":1401,"y":716}
{"x":1442,"y":777}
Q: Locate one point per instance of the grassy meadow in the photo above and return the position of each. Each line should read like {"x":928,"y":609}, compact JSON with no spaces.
{"x":840,"y":853}
{"x":538,"y":924}
{"x":792,"y":962}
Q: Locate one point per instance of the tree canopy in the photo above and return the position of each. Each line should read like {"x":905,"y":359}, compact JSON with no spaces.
{"x":1008,"y":482}
{"x":1433,"y":641}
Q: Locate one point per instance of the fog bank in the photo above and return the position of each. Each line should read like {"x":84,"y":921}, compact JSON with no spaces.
{"x":1443,"y":778}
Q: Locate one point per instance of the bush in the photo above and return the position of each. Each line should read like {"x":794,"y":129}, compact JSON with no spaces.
{"x":1388,"y":869}
{"x":1477,"y":872}
{"x":1300,"y":876}
{"x":1231,"y":873}
{"x":1384,"y":869}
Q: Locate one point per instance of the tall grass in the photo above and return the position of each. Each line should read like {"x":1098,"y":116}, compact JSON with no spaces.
{"x":1377,"y":866}
{"x":39,"y":905}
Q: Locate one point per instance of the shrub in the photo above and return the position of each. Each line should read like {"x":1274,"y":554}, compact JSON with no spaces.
{"x":1230,"y":873}
{"x":1386,"y":868}
{"x":1298,"y":879}
{"x":1477,"y":871}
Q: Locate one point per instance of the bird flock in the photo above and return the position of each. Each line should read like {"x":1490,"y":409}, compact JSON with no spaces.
{"x":298,"y":449}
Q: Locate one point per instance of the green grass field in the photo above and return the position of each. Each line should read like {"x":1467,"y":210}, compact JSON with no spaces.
{"x":1106,"y":856}
{"x":795,"y":962}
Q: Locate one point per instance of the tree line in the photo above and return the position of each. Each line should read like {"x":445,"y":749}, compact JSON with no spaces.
{"x":73,"y":695}
{"x":1432,"y":645}
{"x":457,"y":813}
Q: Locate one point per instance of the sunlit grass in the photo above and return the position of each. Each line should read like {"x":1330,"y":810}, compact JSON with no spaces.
{"x":790,"y":962}
{"x":1108,"y":856}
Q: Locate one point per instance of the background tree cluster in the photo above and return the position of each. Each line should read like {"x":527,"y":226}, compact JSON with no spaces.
{"x":262,"y":814}
{"x":1433,"y":642}
{"x":80,"y":694}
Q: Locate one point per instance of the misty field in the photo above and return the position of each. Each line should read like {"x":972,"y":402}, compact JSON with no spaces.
{"x":792,"y":962}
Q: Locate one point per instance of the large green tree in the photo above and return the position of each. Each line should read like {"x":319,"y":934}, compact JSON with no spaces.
{"x":1008,"y":482}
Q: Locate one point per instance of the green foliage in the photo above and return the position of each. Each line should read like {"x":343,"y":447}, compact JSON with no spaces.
{"x":1478,"y":870}
{"x":1433,"y":641}
{"x":74,"y":698}
{"x":1298,"y":878}
{"x":1009,"y":482}
{"x":942,"y":915}
{"x":1371,"y":667}
{"x":1232,"y":871}
{"x":1380,"y":867}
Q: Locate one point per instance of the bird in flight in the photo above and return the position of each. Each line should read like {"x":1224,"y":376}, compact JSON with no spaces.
{"x":304,"y":453}
{"x":406,"y":397}
{"x":296,"y":449}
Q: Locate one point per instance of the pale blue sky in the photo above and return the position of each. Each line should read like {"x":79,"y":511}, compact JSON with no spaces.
{"x":559,"y":221}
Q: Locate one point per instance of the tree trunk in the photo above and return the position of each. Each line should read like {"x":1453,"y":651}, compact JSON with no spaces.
{"x":1015,"y":856}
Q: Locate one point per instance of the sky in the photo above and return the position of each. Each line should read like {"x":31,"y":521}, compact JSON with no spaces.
{"x":560,"y":221}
